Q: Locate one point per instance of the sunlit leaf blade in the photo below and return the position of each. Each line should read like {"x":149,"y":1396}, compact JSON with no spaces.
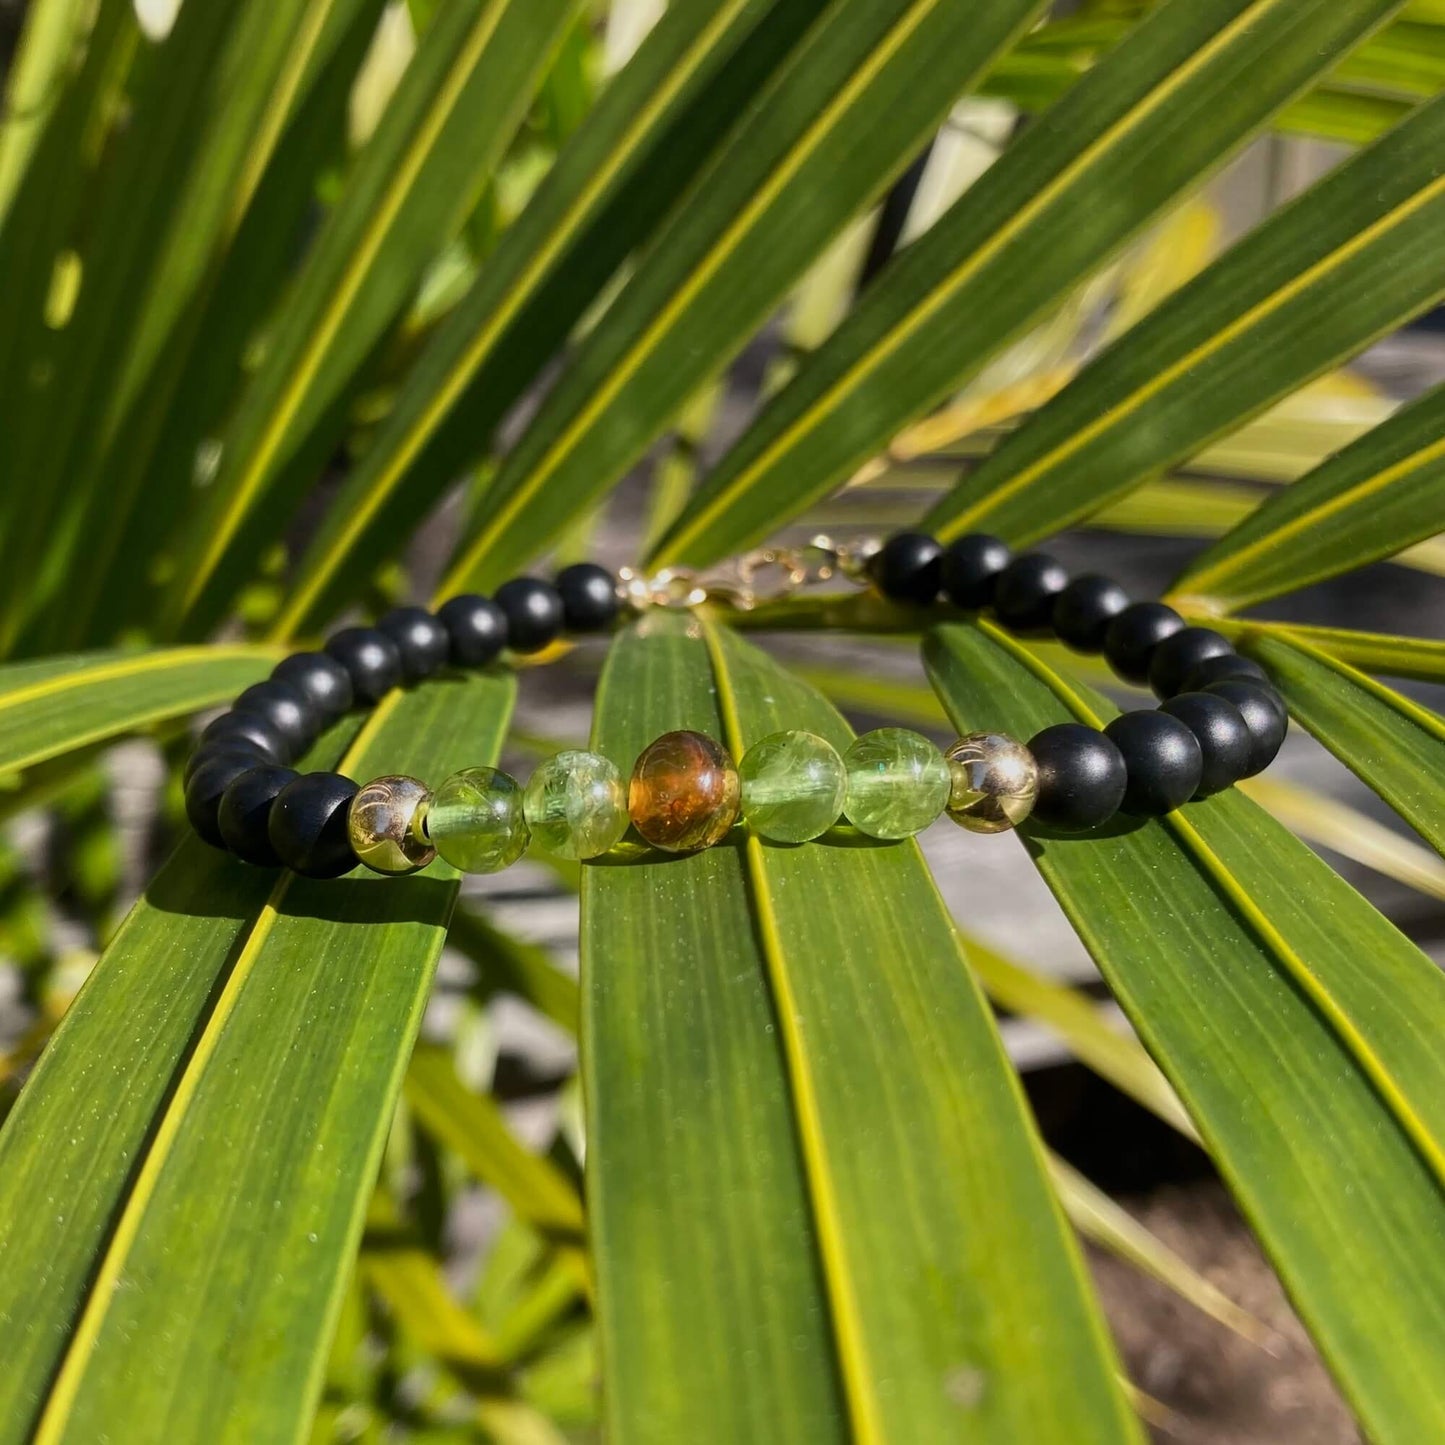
{"x":55,"y":707}
{"x":458,"y":104}
{"x":252,"y":1033}
{"x":1353,"y":257}
{"x":206,"y":108}
{"x":870,"y":82}
{"x":1391,"y":742}
{"x":656,"y":124}
{"x":1420,"y":658}
{"x":1299,"y":1028}
{"x":1189,"y":86}
{"x":1367,"y":502}
{"x":883,"y":1083}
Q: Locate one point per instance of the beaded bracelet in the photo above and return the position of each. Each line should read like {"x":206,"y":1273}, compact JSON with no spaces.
{"x":1221,"y":720}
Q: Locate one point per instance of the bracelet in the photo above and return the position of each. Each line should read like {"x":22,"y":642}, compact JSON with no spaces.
{"x":1221,"y":720}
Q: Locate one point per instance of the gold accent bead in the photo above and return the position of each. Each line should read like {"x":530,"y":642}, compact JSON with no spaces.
{"x":384,"y":825}
{"x":995,"y":782}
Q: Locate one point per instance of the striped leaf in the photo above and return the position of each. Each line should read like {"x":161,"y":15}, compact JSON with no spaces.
{"x":797,"y":1104}
{"x":1350,"y":259}
{"x":871,"y":81}
{"x":1298,"y":1026}
{"x":1188,"y":87}
{"x":244,"y":1031}
{"x":1367,"y":502}
{"x":1420,"y":658}
{"x":459,"y":103}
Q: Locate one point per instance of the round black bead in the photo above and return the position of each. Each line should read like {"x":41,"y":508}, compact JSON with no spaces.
{"x":307,"y":825}
{"x":1082,"y":777}
{"x":1223,"y":738}
{"x":1180,"y":653}
{"x":204,"y":791}
{"x":371,"y":659}
{"x":970,"y":567}
{"x":245,"y":811}
{"x":589,"y":597}
{"x":1264,"y":715}
{"x":1024,"y":596}
{"x":421,"y":640}
{"x":1084,"y":610}
{"x":285,"y":707}
{"x":239,"y":748}
{"x":320,"y":679}
{"x":476,"y":629}
{"x":907,"y":568}
{"x":1222,"y":668}
{"x":1133,"y":635}
{"x":256,"y":730}
{"x":533,"y":610}
{"x":1164,"y":760}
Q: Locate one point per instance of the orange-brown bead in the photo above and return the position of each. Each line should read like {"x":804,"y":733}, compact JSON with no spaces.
{"x":684,"y":793}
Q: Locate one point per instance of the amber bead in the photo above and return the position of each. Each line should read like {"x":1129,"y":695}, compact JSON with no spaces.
{"x":684,"y":793}
{"x":384,"y":825}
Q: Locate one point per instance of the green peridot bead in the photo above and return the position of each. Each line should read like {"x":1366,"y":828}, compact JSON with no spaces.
{"x":475,"y":820}
{"x":793,"y":785}
{"x":576,"y":805}
{"x":898,"y":783}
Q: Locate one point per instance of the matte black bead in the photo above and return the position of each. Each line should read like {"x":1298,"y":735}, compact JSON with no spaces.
{"x":371,"y":659}
{"x":238,"y":748}
{"x":307,"y":826}
{"x":1026,"y":591}
{"x":1264,"y":715}
{"x":204,"y":791}
{"x":907,"y":568}
{"x":970,"y":567}
{"x":1084,"y":610}
{"x":1133,"y":635}
{"x":589,"y":597}
{"x":1163,"y":758}
{"x":285,"y":707}
{"x":1180,"y":653}
{"x":1223,"y":737}
{"x":420,"y":638}
{"x":265,"y":736}
{"x":533,"y":610}
{"x":476,"y":629}
{"x":245,"y":811}
{"x":1220,"y":669}
{"x":1082,"y":777}
{"x":320,"y":679}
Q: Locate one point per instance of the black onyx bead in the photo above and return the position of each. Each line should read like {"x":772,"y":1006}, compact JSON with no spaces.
{"x":1223,"y":738}
{"x":371,"y":659}
{"x":589,"y":597}
{"x":1024,"y":596}
{"x":307,"y":825}
{"x":476,"y":629}
{"x":1226,"y":666}
{"x":533,"y":610}
{"x":1264,"y":715}
{"x":1082,"y":777}
{"x":907,"y":568}
{"x":1133,"y":635}
{"x":1163,"y":758}
{"x":286,"y":709}
{"x":257,"y":731}
{"x":246,"y":810}
{"x":320,"y":679}
{"x":237,"y":748}
{"x":1180,"y":653}
{"x":970,"y":567}
{"x":204,"y":791}
{"x":1084,"y":610}
{"x":421,"y":640}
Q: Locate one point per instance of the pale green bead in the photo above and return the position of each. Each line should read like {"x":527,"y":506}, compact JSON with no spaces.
{"x":793,"y":786}
{"x":576,"y":805}
{"x":898,"y":783}
{"x":475,"y":820}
